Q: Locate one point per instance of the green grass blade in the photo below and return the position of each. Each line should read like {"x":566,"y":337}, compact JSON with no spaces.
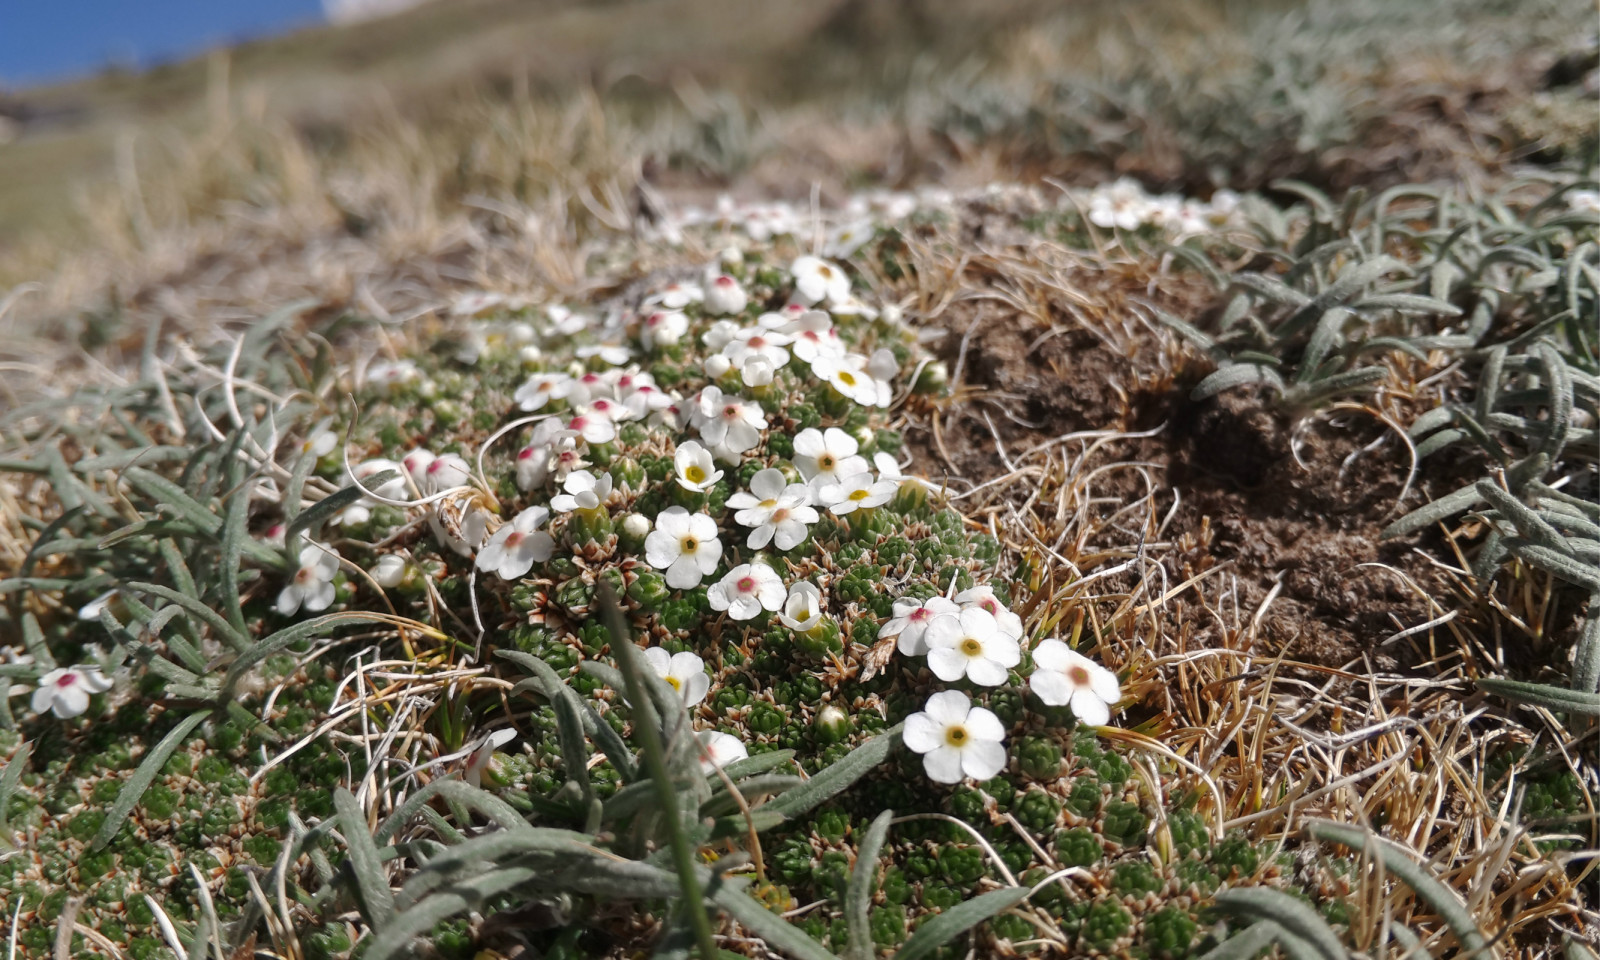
{"x":372,"y":884}
{"x":304,"y":630}
{"x":836,"y":777}
{"x":1401,"y":862}
{"x":1427,"y":515}
{"x":222,"y":627}
{"x":314,"y":516}
{"x":655,"y":760}
{"x":146,"y":774}
{"x":234,"y":535}
{"x":858,"y":897}
{"x":9,"y":778}
{"x":952,"y":923}
{"x":1559,"y":699}
{"x":594,"y":725}
{"x":1296,"y":918}
{"x":397,"y":935}
{"x":778,"y":933}
{"x":1247,"y":943}
{"x":456,"y":792}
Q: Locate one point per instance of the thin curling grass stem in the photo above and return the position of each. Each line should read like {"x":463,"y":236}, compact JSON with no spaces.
{"x":655,"y":761}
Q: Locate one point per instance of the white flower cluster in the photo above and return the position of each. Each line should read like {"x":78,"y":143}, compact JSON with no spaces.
{"x":1124,"y":205}
{"x":973,"y":636}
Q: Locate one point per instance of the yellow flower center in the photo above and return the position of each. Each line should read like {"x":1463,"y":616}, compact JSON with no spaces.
{"x":860,"y":494}
{"x":956,"y":736}
{"x":769,"y":504}
{"x":688,"y":545}
{"x":826,"y":462}
{"x":674,"y":682}
{"x":695,"y":473}
{"x":847,"y":378}
{"x":971,"y":647}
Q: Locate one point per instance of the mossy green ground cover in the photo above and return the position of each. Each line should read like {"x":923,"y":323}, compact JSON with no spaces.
{"x":252,"y":680}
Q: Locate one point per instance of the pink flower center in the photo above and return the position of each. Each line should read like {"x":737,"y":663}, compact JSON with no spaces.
{"x":526,"y":453}
{"x":67,"y":679}
{"x":731,"y":412}
{"x":724,"y":282}
{"x":655,"y":319}
{"x":918,"y":615}
{"x":779,"y":515}
{"x":516,"y":538}
{"x":747,"y":584}
{"x":989,"y":605}
{"x":578,"y":423}
{"x":757,"y":342}
{"x":1078,"y":675}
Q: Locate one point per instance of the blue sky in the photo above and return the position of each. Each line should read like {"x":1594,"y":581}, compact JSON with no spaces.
{"x":43,"y":40}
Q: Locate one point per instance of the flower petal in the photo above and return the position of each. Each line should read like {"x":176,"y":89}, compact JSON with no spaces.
{"x":922,"y":733}
{"x":983,"y":759}
{"x":943,"y":765}
{"x":1051,"y":655}
{"x":949,"y":707}
{"x":1052,"y":687}
{"x":983,"y":671}
{"x":947,"y":663}
{"x":1090,"y":709}
{"x":984,"y":725}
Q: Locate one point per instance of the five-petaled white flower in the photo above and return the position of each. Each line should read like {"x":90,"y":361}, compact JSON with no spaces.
{"x":802,"y":611}
{"x":662,"y":328}
{"x":312,"y":585}
{"x":65,"y":691}
{"x":683,"y":672}
{"x":320,"y":441}
{"x":584,"y":491}
{"x":676,"y":296}
{"x":757,"y":342}
{"x":970,"y":644}
{"x":813,"y":336}
{"x":858,"y":492}
{"x":540,"y":389}
{"x":729,"y":422}
{"x":848,"y":374}
{"x":447,"y":473}
{"x":956,"y":739}
{"x":685,"y":545}
{"x":776,"y":509}
{"x":388,"y":571}
{"x":515,"y":547}
{"x":748,"y":589}
{"x":719,"y":749}
{"x":693,"y":466}
{"x":828,"y":456}
{"x":1064,"y":677}
{"x":983,"y":598}
{"x":725,"y":296}
{"x":910,"y":622}
{"x":816,"y":280}
{"x":593,"y":427}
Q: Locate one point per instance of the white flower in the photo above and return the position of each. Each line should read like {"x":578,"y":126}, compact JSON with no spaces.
{"x":970,"y":644}
{"x":394,"y":489}
{"x":646,"y":400}
{"x":584,"y":491}
{"x":984,"y":599}
{"x":91,"y":610}
{"x":272,"y":537}
{"x":718,"y":750}
{"x":956,"y":739}
{"x":719,"y":335}
{"x":858,"y":492}
{"x":813,"y":336}
{"x":565,"y":456}
{"x":387,"y":374}
{"x":447,"y":473}
{"x":416,"y":465}
{"x":685,"y":545}
{"x":676,"y":296}
{"x":757,"y":341}
{"x":663,"y":328}
{"x":65,"y":691}
{"x":725,"y":296}
{"x":684,"y":672}
{"x":593,"y":427}
{"x":312,"y":585}
{"x":472,"y":304}
{"x":847,"y":373}
{"x":756,"y":371}
{"x":479,"y":759}
{"x":1122,"y":205}
{"x":826,"y":456}
{"x":816,"y":280}
{"x":540,"y":389}
{"x":889,"y":469}
{"x":695,"y":471}
{"x":388,"y":571}
{"x":748,"y":589}
{"x":777,"y":510}
{"x":910,"y":622}
{"x":320,"y":441}
{"x":847,"y":239}
{"x":1063,"y":677}
{"x":729,"y":422}
{"x":615,"y":354}
{"x":515,"y":547}
{"x":716,"y":366}
{"x":802,"y":611}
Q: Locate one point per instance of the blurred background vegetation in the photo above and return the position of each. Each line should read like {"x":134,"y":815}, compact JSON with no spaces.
{"x":390,"y":124}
